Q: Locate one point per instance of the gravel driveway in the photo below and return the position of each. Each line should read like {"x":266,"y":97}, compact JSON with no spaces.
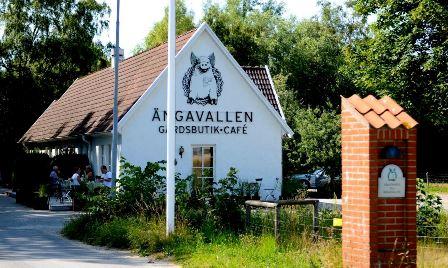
{"x":444,"y":200}
{"x":30,"y":238}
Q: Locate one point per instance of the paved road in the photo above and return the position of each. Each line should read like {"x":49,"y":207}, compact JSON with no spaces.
{"x":31,"y":239}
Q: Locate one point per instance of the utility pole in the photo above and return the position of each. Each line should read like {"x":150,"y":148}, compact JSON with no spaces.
{"x":115,"y":110}
{"x":171,"y":110}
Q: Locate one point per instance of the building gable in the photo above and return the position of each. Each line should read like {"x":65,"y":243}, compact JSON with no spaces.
{"x":208,"y":78}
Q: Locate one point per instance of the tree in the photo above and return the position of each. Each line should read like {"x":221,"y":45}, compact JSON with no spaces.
{"x":246,"y":27}
{"x":311,"y":54}
{"x":406,"y":56}
{"x":159,"y":32}
{"x":308,"y":62}
{"x":316,"y":141}
{"x":45,"y":46}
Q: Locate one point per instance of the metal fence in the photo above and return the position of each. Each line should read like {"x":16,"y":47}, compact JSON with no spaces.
{"x":433,"y":177}
{"x":288,"y":219}
{"x":296,"y":220}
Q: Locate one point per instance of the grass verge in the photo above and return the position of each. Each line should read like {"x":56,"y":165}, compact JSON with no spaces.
{"x":213,"y":248}
{"x":207,"y":248}
{"x":438,"y":188}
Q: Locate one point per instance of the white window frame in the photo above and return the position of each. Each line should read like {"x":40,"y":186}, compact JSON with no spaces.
{"x":202,"y":146}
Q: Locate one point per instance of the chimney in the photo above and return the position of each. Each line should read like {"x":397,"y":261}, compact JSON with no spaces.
{"x":121,"y":56}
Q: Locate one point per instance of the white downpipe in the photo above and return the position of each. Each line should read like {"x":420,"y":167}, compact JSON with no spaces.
{"x":171,"y":104}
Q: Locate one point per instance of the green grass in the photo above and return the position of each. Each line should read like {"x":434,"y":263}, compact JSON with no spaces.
{"x":211,"y":247}
{"x":438,"y":188}
{"x":252,"y":251}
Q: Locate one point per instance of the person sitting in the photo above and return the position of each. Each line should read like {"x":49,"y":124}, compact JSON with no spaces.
{"x":54,"y":177}
{"x":54,"y":181}
{"x":89,"y":173}
{"x":76,"y":178}
{"x":106,"y":176}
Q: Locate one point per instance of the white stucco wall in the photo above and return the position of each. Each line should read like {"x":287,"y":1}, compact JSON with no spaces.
{"x":257,"y":154}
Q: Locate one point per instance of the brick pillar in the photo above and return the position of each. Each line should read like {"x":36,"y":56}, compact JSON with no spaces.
{"x":376,"y":230}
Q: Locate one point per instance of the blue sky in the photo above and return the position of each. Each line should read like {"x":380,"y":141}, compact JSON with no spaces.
{"x":138,"y":16}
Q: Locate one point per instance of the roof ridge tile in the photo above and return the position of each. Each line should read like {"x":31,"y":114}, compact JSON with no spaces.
{"x":379,"y":113}
{"x":359,"y":104}
{"x":391,"y":105}
{"x":376,"y":105}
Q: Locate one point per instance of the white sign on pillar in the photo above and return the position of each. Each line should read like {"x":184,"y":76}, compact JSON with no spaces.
{"x":391,"y":183}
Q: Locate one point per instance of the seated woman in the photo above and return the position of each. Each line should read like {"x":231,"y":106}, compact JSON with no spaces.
{"x":89,"y":176}
{"x":76,"y":178}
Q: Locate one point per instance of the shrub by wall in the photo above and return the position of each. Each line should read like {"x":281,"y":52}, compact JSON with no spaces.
{"x":30,"y":172}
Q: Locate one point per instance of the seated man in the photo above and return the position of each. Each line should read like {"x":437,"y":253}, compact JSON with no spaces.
{"x":106,"y":177}
{"x":54,"y":179}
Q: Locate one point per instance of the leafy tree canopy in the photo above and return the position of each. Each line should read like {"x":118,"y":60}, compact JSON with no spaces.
{"x":307,"y":58}
{"x":316,"y":142}
{"x":406,"y":56}
{"x":159,"y":33}
{"x":247,"y":27}
{"x":45,"y":46}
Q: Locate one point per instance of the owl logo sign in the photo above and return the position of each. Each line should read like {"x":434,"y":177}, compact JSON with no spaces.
{"x":392,"y":183}
{"x":202,"y":83}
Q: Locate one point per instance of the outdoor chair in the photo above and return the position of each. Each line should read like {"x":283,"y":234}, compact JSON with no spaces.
{"x":65,"y":191}
{"x":270,"y":192}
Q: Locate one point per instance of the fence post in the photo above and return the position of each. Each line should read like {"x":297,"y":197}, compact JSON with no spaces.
{"x":248,"y":212}
{"x":427,"y":178}
{"x":316,"y":216}
{"x":277,"y":223}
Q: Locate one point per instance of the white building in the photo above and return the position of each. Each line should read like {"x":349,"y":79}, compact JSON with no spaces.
{"x":227,"y":115}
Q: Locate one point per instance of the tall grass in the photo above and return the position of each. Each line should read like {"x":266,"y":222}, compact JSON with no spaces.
{"x":254,"y":251}
{"x":212,"y":247}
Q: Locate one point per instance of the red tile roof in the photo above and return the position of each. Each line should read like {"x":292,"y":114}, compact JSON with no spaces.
{"x":384,"y":111}
{"x":86,"y":106}
{"x":261,"y":78}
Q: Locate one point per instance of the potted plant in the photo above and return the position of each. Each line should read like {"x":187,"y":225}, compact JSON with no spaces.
{"x":244,"y":190}
{"x":41,"y":198}
{"x":254,"y":191}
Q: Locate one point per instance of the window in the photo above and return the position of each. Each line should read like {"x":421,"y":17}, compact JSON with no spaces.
{"x":203,"y":165}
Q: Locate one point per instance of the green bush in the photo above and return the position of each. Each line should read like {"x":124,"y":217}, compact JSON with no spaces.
{"x":129,"y":217}
{"x":113,"y":233}
{"x":429,"y":210}
{"x":292,"y":189}
{"x":136,"y":233}
{"x":208,"y":209}
{"x":316,"y":142}
{"x":142,"y":191}
{"x":79,"y":227}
